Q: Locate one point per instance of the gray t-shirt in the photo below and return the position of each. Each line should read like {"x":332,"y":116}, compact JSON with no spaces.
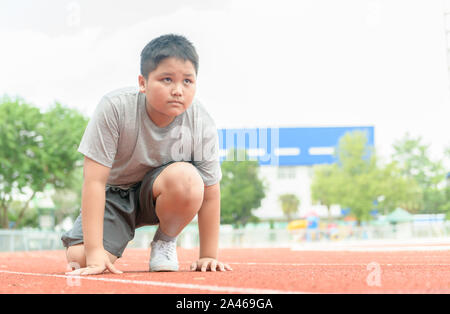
{"x":121,"y":135}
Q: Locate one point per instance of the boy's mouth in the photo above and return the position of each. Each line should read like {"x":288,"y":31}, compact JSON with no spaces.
{"x":175,"y":102}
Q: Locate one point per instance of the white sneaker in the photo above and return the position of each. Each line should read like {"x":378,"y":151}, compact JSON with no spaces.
{"x":163,"y":256}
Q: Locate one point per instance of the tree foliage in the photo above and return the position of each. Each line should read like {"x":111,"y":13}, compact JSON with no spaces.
{"x":241,"y":189}
{"x":358,"y":181}
{"x":38,"y":148}
{"x":325,"y":185}
{"x":415,"y":163}
{"x":67,"y":200}
{"x":396,"y":190}
{"x":289,"y":204}
{"x":357,"y":175}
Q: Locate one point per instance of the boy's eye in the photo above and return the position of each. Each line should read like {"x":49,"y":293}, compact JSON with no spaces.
{"x":169,"y":80}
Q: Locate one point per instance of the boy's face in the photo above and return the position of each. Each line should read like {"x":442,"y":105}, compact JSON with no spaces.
{"x":169,"y":90}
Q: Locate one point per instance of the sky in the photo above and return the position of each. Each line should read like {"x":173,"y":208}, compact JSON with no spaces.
{"x":263,"y":63}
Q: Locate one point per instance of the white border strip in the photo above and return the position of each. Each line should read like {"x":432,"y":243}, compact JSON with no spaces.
{"x":216,"y":289}
{"x":287,"y":151}
{"x":321,"y":150}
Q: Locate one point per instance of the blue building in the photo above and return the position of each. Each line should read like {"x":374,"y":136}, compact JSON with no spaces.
{"x":286,"y":157}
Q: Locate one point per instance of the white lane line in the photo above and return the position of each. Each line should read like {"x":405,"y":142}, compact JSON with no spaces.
{"x":317,"y":264}
{"x":371,"y":249}
{"x":334,"y":264}
{"x":217,"y":289}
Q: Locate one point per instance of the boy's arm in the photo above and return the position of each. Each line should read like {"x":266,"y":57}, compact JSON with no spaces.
{"x":209,"y":222}
{"x":92,"y":213}
{"x":208,"y":226}
{"x":93,"y":204}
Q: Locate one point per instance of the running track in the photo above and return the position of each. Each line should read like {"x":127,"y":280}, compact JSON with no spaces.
{"x":359,"y":268}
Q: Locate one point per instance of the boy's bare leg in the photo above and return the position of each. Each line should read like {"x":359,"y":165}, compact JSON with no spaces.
{"x":76,"y":256}
{"x":178,"y":191}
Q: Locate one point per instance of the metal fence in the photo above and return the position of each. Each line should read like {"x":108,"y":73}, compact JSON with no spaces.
{"x":27,"y":240}
{"x":228,"y":238}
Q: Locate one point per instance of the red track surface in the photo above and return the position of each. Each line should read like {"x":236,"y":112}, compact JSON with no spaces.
{"x":255,"y":271}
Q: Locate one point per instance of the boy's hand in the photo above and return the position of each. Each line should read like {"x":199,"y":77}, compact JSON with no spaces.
{"x":97,"y":262}
{"x":206,"y":263}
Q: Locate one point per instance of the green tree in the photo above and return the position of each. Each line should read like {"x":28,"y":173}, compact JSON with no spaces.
{"x":18,"y":141}
{"x":241,"y":189}
{"x":67,"y":200}
{"x":397,"y":190}
{"x":446,"y":206}
{"x":356,"y":175}
{"x":360,"y":183}
{"x":289,"y":204}
{"x":30,"y":218}
{"x":37,"y":149}
{"x":415,"y":163}
{"x":325,"y":185}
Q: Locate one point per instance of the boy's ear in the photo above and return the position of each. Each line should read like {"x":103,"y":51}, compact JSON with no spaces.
{"x":142,"y":83}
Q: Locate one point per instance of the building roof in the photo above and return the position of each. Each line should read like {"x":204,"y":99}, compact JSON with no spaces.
{"x":288,"y":146}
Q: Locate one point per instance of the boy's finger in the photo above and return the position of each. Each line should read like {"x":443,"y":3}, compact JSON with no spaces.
{"x":222,"y":268}
{"x":85,"y":271}
{"x":113,"y":269}
{"x":205,"y":266}
{"x":213,"y":265}
{"x":228,"y":267}
{"x":80,"y":271}
{"x":91,"y":271}
{"x":75,"y":272}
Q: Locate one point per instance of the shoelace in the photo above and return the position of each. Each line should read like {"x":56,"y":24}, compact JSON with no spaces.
{"x":168,"y":248}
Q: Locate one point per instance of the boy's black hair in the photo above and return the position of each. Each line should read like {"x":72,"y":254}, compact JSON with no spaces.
{"x":167,"y":46}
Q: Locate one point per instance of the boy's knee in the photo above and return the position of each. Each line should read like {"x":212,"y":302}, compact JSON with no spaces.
{"x":186,"y":184}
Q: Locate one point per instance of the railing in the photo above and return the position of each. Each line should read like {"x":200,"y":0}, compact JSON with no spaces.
{"x":27,"y":240}
{"x":228,"y":238}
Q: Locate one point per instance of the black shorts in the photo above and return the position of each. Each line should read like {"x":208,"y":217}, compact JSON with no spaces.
{"x":125,"y":210}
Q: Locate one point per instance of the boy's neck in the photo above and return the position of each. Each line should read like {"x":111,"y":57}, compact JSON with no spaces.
{"x":159,"y":119}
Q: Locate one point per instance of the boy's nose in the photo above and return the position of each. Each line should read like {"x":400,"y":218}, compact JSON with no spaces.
{"x":177,"y":90}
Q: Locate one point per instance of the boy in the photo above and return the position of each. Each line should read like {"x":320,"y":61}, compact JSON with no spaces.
{"x":155,"y":153}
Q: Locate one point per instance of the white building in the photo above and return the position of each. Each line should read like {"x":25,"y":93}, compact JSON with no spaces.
{"x":287,"y":157}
